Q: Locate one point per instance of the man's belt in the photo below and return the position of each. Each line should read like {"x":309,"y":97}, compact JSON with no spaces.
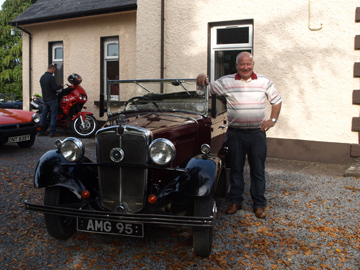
{"x":243,"y":130}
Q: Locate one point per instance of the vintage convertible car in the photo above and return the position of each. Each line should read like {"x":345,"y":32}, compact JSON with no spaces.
{"x":18,"y":126}
{"x":157,"y":162}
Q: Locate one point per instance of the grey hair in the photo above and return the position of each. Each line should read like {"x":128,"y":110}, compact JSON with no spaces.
{"x":244,"y":53}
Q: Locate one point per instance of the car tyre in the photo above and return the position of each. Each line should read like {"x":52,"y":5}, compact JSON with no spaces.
{"x":29,"y":143}
{"x":202,"y":236}
{"x":59,"y":227}
{"x":90,"y":126}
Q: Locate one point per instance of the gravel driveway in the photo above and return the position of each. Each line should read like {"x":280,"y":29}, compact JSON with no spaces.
{"x":312,"y":223}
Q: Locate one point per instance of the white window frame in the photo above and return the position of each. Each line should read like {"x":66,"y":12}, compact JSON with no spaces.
{"x":107,"y":58}
{"x":54,"y":47}
{"x":227,"y":47}
{"x":56,"y":61}
{"x":109,"y":42}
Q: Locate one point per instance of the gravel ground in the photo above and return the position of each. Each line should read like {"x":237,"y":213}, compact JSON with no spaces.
{"x":312,"y":223}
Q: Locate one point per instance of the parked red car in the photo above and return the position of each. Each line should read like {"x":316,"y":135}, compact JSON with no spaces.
{"x":18,"y":126}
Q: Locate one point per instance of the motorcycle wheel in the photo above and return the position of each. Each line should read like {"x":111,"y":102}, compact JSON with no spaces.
{"x":87,"y":131}
{"x":59,"y":227}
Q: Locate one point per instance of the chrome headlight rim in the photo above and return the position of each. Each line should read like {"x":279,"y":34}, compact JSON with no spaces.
{"x":36,"y":118}
{"x":205,"y":149}
{"x":162,"y":151}
{"x":72,"y":149}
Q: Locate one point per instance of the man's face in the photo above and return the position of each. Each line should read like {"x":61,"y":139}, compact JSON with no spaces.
{"x":245,"y":66}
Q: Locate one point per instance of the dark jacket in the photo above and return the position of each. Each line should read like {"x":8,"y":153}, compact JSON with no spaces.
{"x":49,"y":86}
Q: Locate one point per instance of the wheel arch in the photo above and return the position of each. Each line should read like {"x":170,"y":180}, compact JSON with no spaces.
{"x":50,"y":172}
{"x":203,"y":173}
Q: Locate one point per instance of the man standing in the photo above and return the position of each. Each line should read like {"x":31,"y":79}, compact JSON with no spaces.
{"x":245,"y":93}
{"x":49,"y":90}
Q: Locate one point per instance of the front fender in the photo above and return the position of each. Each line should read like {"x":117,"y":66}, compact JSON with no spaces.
{"x":203,"y":174}
{"x":81,"y":114}
{"x":198,"y":179}
{"x":49,"y":172}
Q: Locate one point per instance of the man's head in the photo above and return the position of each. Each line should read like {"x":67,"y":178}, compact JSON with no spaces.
{"x":51,"y":68}
{"x":245,"y":65}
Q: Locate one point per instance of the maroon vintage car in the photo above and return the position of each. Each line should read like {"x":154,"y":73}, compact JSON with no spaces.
{"x":18,"y":126}
{"x":157,"y":163}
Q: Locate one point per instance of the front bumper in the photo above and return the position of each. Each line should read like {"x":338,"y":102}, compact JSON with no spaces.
{"x":171,"y":220}
{"x":7,"y":131}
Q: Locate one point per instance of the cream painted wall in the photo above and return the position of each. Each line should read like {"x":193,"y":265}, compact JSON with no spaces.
{"x":81,"y":41}
{"x":312,"y":70}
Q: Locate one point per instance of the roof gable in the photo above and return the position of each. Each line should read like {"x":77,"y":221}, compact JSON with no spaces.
{"x":51,"y":10}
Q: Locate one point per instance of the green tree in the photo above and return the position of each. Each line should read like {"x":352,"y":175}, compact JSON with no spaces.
{"x":11,"y":48}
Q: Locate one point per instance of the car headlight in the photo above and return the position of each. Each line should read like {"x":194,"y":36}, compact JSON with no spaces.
{"x":162,"y":151}
{"x":71,"y":149}
{"x":36,"y":117}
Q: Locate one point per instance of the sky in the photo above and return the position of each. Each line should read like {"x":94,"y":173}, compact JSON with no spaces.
{"x":1,"y":2}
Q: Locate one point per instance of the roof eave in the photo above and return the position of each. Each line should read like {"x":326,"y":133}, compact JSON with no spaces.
{"x":73,"y":15}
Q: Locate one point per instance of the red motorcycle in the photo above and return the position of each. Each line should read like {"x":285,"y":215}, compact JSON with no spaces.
{"x":71,"y":102}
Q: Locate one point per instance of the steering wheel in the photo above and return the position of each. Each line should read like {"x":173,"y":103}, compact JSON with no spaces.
{"x":142,"y":99}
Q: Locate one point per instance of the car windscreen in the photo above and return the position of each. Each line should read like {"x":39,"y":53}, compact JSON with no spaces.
{"x":156,"y":95}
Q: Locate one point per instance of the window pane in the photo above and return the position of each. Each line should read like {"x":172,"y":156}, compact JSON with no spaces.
{"x":112,"y":70}
{"x":113,"y":49}
{"x":58,"y":53}
{"x":59,"y":74}
{"x":232,"y":35}
{"x":225,"y":62}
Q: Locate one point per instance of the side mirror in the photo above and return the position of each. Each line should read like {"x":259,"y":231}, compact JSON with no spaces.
{"x":213,"y":106}
{"x":102,"y":105}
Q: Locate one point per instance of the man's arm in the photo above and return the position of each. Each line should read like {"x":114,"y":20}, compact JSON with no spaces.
{"x":54,"y":86}
{"x":275,"y":112}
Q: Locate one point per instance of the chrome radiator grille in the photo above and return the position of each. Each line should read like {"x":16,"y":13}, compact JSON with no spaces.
{"x":123,"y":188}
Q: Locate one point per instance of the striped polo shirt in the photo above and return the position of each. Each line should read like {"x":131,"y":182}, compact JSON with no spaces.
{"x":246,"y":99}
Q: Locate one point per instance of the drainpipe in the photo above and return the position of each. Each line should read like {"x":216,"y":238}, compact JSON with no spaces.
{"x":27,"y":32}
{"x":162,"y":60}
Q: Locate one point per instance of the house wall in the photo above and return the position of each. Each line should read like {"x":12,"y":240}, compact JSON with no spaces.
{"x":312,"y":68}
{"x":305,"y":47}
{"x":81,"y":43}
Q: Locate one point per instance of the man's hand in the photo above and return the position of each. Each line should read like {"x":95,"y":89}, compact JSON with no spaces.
{"x":266,"y":125}
{"x":275,"y":111}
{"x":202,"y":80}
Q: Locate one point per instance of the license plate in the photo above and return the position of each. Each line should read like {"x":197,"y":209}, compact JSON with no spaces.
{"x":110,"y":227}
{"x":21,"y":138}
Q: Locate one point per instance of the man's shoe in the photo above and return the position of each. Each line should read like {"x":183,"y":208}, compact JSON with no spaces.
{"x":55,"y":135}
{"x":233,"y":208}
{"x":260,"y":212}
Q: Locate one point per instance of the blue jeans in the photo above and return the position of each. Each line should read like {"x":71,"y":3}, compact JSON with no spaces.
{"x":253,"y":145}
{"x":50,"y":106}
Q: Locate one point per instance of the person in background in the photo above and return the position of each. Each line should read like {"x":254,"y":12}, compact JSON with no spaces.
{"x":246,"y":93}
{"x":49,"y":90}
